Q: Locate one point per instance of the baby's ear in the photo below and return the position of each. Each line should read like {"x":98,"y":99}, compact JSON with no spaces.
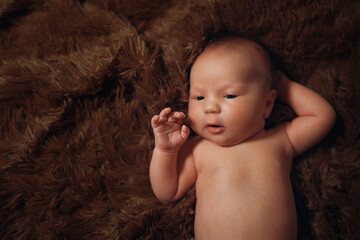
{"x":269,"y":104}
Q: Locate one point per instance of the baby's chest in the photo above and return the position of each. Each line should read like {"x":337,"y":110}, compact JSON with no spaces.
{"x":241,"y":165}
{"x":225,"y":169}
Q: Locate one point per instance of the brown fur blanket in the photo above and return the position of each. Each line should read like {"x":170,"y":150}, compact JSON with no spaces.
{"x":80,"y":80}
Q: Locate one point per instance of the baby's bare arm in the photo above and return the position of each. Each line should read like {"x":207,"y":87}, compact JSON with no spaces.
{"x":168,"y":177}
{"x":163,"y":174}
{"x":315,"y":115}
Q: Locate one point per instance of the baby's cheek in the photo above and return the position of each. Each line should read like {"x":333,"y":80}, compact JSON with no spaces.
{"x":193,"y":112}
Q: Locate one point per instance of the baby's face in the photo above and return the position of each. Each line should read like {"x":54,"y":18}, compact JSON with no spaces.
{"x":227,"y":104}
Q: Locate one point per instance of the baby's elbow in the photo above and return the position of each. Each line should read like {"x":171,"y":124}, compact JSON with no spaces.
{"x":328,"y":120}
{"x":165,"y":198}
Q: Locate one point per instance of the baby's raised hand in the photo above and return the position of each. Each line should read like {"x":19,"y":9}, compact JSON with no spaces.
{"x":169,"y":134}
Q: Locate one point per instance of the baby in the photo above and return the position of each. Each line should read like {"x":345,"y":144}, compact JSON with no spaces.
{"x":241,"y":171}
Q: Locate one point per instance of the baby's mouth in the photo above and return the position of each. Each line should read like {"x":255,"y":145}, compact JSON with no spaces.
{"x":215,"y":129}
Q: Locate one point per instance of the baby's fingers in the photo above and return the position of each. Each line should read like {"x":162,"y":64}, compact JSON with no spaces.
{"x":185,"y":132}
{"x":176,"y":116}
{"x":165,"y":112}
{"x":162,"y":117}
{"x":155,"y":120}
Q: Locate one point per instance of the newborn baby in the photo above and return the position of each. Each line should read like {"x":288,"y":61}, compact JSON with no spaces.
{"x":241,"y":171}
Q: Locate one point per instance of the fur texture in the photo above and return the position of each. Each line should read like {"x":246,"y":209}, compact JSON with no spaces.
{"x":80,"y":80}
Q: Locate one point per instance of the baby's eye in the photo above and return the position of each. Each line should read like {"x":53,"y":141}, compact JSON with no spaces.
{"x":199,"y":98}
{"x":230,"y":96}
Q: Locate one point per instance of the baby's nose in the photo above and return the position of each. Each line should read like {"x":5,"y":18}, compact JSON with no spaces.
{"x":212,"y":107}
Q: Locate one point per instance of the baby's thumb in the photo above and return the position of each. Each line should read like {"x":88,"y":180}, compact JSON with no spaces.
{"x":185,"y":132}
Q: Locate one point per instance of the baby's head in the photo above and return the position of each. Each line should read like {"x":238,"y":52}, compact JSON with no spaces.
{"x":262,"y":65}
{"x":231,"y":90}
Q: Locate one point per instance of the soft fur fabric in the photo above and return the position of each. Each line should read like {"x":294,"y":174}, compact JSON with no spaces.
{"x":80,"y":80}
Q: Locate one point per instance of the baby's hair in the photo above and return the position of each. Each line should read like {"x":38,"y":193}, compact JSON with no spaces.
{"x":233,"y":40}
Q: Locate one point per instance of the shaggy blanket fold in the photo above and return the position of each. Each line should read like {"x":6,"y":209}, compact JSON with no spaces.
{"x":81,"y":79}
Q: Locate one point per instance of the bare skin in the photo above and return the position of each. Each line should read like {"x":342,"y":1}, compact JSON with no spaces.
{"x":241,"y":171}
{"x":261,"y":204}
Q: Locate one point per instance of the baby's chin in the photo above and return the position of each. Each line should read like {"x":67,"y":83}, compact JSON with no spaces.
{"x":226,"y":140}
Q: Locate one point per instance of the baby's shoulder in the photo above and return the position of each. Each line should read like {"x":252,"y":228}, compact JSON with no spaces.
{"x":277,"y":130}
{"x":277,"y":136}
{"x":197,"y":144}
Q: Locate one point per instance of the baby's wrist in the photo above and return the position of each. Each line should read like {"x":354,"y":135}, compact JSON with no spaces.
{"x":166,"y":151}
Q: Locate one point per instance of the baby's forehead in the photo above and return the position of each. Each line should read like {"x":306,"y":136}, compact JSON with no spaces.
{"x":250,"y":56}
{"x":247,"y":56}
{"x":245,"y":48}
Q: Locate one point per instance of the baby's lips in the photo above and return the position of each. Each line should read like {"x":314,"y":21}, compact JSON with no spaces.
{"x":215,"y":129}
